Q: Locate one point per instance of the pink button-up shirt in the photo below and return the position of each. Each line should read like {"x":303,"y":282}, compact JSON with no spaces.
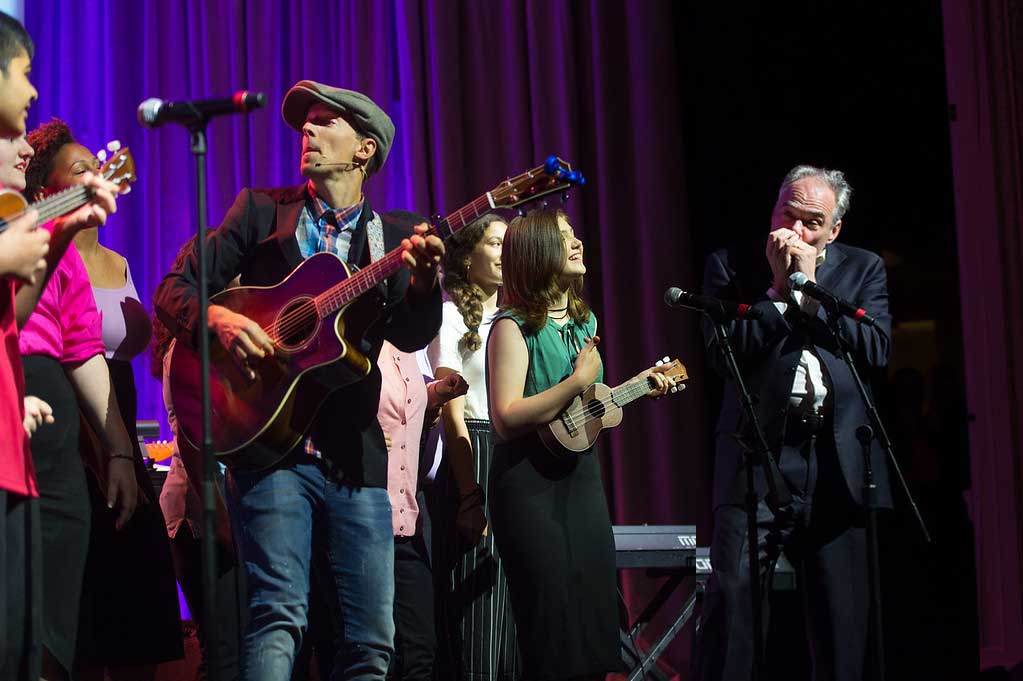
{"x":65,"y":325}
{"x":403,"y":403}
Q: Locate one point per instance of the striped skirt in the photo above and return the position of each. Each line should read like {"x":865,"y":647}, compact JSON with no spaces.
{"x":477,"y":633}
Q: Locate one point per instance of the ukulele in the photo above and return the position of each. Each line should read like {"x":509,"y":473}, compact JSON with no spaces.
{"x":598,"y":407}
{"x":120,"y":170}
{"x":315,"y":318}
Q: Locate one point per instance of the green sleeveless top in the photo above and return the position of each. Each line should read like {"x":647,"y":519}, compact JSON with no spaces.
{"x":552,"y":351}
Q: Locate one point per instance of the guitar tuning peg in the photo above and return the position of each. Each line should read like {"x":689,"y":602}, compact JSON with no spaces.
{"x":114,"y":146}
{"x":102,"y":155}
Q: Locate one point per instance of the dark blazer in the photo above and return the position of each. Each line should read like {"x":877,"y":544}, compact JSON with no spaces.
{"x":768,"y":351}
{"x":257,"y":241}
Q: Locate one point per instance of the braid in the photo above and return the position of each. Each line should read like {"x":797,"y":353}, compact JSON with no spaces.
{"x":467,"y":296}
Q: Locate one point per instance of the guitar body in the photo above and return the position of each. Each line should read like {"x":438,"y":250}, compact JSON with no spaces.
{"x":11,"y":203}
{"x":313,"y":358}
{"x":570,"y":434}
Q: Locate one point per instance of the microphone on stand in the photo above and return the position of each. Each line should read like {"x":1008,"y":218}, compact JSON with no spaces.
{"x":154,"y":112}
{"x":800,"y":282}
{"x":725,"y":309}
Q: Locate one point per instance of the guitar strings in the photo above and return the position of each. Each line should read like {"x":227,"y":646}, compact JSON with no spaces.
{"x":354,"y":286}
{"x":594,"y":408}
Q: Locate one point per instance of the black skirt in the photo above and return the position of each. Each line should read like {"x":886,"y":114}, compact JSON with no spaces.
{"x":551,"y":523}
{"x":64,"y":511}
{"x":129,"y":607}
{"x":477,"y":638}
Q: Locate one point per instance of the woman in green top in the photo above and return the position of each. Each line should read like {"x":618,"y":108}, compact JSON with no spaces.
{"x":548,"y":513}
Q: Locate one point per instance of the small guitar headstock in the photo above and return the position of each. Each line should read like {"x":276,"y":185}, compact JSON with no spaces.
{"x":120,"y":169}
{"x":553,"y":176}
{"x":160,"y":450}
{"x":676,"y":372}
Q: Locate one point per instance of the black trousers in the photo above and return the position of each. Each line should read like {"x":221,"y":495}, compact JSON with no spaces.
{"x":823,"y":536}
{"x":231,"y":601}
{"x":415,"y":637}
{"x":20,"y":588}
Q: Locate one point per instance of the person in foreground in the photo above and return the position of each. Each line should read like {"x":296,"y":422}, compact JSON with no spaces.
{"x":338,"y":473}
{"x":809,"y":409}
{"x":549,"y":514}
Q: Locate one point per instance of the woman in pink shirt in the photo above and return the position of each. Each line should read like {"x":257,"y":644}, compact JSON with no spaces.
{"x":62,"y":356}
{"x":129,"y":605}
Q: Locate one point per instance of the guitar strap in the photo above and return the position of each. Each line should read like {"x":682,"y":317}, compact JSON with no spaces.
{"x":375,"y":237}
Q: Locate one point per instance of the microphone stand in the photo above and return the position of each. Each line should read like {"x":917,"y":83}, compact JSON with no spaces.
{"x":775,"y":499}
{"x":197,"y":133}
{"x":865,"y":434}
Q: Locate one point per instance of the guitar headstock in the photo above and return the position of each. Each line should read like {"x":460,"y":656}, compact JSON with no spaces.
{"x":120,"y":169}
{"x":555,"y":175}
{"x":676,"y":372}
{"x":159,"y":451}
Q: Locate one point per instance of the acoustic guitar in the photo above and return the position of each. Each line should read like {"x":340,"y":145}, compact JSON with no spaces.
{"x":315,"y":318}
{"x":599,"y":407}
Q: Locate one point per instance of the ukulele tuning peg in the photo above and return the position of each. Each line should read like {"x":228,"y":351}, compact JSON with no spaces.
{"x":665,"y":360}
{"x":102,"y":155}
{"x":674,"y":389}
{"x":658,"y":363}
{"x":114,"y":146}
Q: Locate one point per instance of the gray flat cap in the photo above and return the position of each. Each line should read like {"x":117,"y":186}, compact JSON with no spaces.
{"x":359,"y":110}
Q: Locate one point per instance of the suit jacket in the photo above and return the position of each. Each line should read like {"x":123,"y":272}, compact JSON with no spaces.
{"x":257,"y":241}
{"x":768,"y":351}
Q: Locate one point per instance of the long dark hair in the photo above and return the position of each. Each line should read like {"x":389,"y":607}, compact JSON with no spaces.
{"x":532,"y":259}
{"x":467,"y":296}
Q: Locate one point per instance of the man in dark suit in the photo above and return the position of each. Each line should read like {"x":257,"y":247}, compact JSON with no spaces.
{"x":809,"y":408}
{"x":338,"y":474}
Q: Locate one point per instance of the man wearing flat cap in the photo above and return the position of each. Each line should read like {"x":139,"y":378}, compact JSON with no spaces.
{"x":338,"y":474}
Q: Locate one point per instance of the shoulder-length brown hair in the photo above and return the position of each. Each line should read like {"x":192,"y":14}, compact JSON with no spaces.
{"x":532,"y":259}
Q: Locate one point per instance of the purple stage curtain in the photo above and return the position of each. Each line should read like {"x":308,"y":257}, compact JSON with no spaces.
{"x":478,"y":91}
{"x":984,"y":57}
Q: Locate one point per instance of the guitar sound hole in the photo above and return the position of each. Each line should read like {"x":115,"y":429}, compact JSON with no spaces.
{"x":297,"y":324}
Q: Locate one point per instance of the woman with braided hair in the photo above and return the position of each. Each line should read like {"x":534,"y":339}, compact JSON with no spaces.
{"x":478,"y":637}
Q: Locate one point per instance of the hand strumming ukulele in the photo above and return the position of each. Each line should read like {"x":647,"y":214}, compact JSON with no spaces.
{"x":598,"y":407}
{"x":316,"y":318}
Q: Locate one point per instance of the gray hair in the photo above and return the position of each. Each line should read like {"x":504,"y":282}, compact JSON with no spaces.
{"x":835,"y":179}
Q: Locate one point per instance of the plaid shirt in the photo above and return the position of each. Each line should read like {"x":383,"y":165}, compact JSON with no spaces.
{"x":324,"y":229}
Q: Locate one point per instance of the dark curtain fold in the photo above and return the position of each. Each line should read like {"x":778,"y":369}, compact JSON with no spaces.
{"x":984,"y":57}
{"x":478,"y":91}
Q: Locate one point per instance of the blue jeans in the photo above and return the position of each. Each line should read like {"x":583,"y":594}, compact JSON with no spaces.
{"x":272,"y":512}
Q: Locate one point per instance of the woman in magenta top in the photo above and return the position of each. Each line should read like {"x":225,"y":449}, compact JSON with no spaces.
{"x":62,"y":356}
{"x":129,"y":606}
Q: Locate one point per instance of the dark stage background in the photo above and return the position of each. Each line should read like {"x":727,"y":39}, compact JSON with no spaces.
{"x":684,"y":116}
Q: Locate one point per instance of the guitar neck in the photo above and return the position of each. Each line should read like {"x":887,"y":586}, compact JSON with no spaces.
{"x":54,"y":206}
{"x":630,"y":391}
{"x":343,"y":293}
